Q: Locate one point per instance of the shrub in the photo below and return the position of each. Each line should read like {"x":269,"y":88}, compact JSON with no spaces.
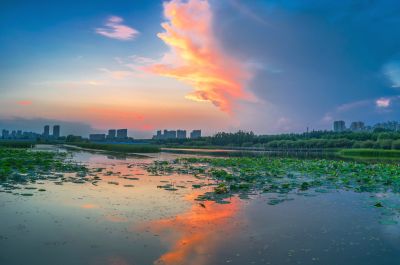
{"x":396,"y":144}
{"x":385,"y":144}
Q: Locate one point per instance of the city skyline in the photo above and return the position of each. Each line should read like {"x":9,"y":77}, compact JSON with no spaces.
{"x":124,"y":134}
{"x":262,"y":66}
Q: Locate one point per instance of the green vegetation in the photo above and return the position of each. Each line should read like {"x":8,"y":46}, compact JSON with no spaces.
{"x":21,"y":165}
{"x":283,"y":176}
{"x":16,"y":144}
{"x":316,"y":139}
{"x":123,"y":148}
{"x":369,"y":153}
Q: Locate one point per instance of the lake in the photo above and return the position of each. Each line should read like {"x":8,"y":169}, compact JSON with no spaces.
{"x":129,"y":217}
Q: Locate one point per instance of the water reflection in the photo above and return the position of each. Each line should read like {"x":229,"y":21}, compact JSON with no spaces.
{"x":191,"y":235}
{"x":109,"y":224}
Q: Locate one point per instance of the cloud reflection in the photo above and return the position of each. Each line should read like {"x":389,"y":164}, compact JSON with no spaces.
{"x":196,"y":229}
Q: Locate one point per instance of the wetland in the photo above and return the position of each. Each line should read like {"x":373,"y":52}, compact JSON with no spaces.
{"x":60,"y":206}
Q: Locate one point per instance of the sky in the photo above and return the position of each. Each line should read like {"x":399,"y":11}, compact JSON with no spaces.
{"x":268,"y":66}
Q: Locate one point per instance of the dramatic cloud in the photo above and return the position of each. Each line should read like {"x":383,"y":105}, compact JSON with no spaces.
{"x":116,"y":30}
{"x":195,"y":57}
{"x":383,"y":102}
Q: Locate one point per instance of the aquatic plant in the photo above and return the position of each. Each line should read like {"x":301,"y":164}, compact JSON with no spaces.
{"x":284,"y":175}
{"x":21,"y":165}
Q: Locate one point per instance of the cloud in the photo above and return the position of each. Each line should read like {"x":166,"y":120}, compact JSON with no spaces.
{"x":36,"y":125}
{"x":116,"y":30}
{"x":392,"y":71}
{"x":248,"y":12}
{"x":119,"y":75}
{"x":195,"y":57}
{"x":383,"y":102}
{"x":353,"y":105}
{"x":24,"y":102}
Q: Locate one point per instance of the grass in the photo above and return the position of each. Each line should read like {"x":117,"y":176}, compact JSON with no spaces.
{"x":123,"y":148}
{"x":369,"y":153}
{"x":16,"y":144}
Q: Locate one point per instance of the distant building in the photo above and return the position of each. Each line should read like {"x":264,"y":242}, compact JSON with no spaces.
{"x":339,"y":126}
{"x":390,"y":126}
{"x":195,"y":134}
{"x":169,"y":134}
{"x":46,"y":131}
{"x":181,"y":134}
{"x":122,"y":134}
{"x":98,"y":137}
{"x":56,"y":131}
{"x":5,"y":134}
{"x":111,"y":134}
{"x":357,"y":126}
{"x":172,"y":134}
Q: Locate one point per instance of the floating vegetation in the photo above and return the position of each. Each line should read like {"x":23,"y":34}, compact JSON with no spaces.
{"x":24,"y":166}
{"x":113,"y":183}
{"x":131,"y":178}
{"x":26,"y":194}
{"x":251,"y":175}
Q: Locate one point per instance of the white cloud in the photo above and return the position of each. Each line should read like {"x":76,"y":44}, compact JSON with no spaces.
{"x":353,"y":105}
{"x":383,"y":102}
{"x":392,"y":71}
{"x":114,"y":29}
{"x":119,"y":75}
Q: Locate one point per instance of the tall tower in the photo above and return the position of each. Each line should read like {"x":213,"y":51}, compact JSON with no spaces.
{"x":56,"y":131}
{"x":46,"y":131}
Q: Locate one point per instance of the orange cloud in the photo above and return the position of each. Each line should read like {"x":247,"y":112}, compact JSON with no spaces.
{"x":195,"y":57}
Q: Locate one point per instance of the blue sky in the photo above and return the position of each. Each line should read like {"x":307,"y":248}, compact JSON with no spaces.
{"x":294,"y":64}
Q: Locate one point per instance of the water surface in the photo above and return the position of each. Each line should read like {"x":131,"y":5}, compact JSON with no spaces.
{"x":125,"y":218}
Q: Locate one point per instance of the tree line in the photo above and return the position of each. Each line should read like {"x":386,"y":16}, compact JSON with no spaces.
{"x":379,"y":139}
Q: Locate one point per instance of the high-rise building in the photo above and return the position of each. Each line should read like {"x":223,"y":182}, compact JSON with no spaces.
{"x":339,"y":126}
{"x":97,"y":137}
{"x":56,"y":131}
{"x":181,"y":134}
{"x":389,"y":125}
{"x":195,"y":134}
{"x":5,"y":134}
{"x":122,"y":134}
{"x":357,"y":126}
{"x":46,"y":131}
{"x":111,"y":134}
{"x":169,"y":134}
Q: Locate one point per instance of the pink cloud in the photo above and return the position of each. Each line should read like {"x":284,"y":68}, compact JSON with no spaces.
{"x":24,"y":102}
{"x":195,"y":57}
{"x":383,"y":102}
{"x":116,"y":30}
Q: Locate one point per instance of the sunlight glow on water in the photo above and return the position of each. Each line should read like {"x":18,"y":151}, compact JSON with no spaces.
{"x":126,"y":219}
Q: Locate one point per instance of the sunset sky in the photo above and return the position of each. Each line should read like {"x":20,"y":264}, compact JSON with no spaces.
{"x":219,"y":65}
